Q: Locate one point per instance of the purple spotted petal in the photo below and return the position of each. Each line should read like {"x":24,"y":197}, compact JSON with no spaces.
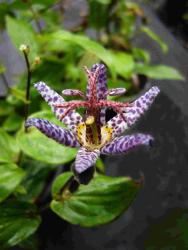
{"x":141,"y":105}
{"x":125,"y":143}
{"x":61,"y":135}
{"x":52,"y":98}
{"x":73,"y":92}
{"x":85,"y":159}
{"x":132,"y":114}
{"x":116,"y":91}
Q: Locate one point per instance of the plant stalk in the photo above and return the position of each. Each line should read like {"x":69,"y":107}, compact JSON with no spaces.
{"x":28,"y":85}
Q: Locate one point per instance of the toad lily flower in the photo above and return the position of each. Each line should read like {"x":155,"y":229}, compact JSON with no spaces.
{"x":92,"y":133}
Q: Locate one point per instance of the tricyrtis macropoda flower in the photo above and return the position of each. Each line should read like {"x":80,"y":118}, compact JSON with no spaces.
{"x":92,"y":133}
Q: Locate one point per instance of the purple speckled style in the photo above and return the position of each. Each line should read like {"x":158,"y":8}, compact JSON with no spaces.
{"x":101,"y":83}
{"x":101,"y":87}
{"x":127,"y":116}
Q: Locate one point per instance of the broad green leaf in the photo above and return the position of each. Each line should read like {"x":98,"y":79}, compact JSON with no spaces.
{"x":89,"y":45}
{"x":31,"y":243}
{"x":36,"y":174}
{"x":155,"y":37}
{"x":99,"y":202}
{"x":88,"y":59}
{"x":159,"y":72}
{"x":123,"y":63}
{"x":140,"y":54}
{"x":10,"y":177}
{"x":20,"y":191}
{"x":21,"y":32}
{"x":17,"y":4}
{"x":5,"y":108}
{"x":18,"y":220}
{"x":9,"y":149}
{"x":59,"y":183}
{"x":118,"y":62}
{"x":12,"y":123}
{"x":19,"y":94}
{"x":41,"y":148}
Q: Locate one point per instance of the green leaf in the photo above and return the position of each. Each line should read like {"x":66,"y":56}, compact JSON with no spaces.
{"x":9,"y":148}
{"x":36,"y":174}
{"x":19,"y":94}
{"x":18,"y":220}
{"x":17,"y":4}
{"x":156,"y":38}
{"x":21,"y":32}
{"x":10,"y":177}
{"x":99,"y":202}
{"x":12,"y":123}
{"x":41,"y":148}
{"x":159,"y":72}
{"x":5,"y":108}
{"x":140,"y":54}
{"x":31,"y":243}
{"x":118,"y":62}
{"x":60,"y":182}
{"x":123,"y":63}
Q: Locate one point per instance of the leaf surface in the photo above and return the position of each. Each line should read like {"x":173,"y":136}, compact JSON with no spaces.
{"x":99,"y":202}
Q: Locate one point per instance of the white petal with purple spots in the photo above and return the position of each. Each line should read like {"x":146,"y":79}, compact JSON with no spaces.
{"x":51,"y":97}
{"x":125,"y":143}
{"x":132,"y":114}
{"x":60,"y":135}
{"x":85,"y":159}
{"x":73,"y":92}
{"x":116,"y":91}
{"x":141,"y":105}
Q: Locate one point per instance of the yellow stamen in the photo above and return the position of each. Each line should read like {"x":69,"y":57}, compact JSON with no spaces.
{"x":106,"y":135}
{"x":90,"y":120}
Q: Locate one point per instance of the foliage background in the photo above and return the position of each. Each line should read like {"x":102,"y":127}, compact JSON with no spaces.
{"x":29,"y":161}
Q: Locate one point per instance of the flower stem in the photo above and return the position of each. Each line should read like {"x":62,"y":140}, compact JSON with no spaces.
{"x":28,"y":85}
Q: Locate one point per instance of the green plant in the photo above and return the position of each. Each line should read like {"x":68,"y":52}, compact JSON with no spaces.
{"x":55,"y":55}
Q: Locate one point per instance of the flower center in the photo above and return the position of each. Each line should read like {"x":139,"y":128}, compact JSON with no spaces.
{"x":91,"y":136}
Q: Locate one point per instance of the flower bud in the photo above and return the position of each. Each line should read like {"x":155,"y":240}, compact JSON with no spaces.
{"x":37,"y":60}
{"x":24,"y":48}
